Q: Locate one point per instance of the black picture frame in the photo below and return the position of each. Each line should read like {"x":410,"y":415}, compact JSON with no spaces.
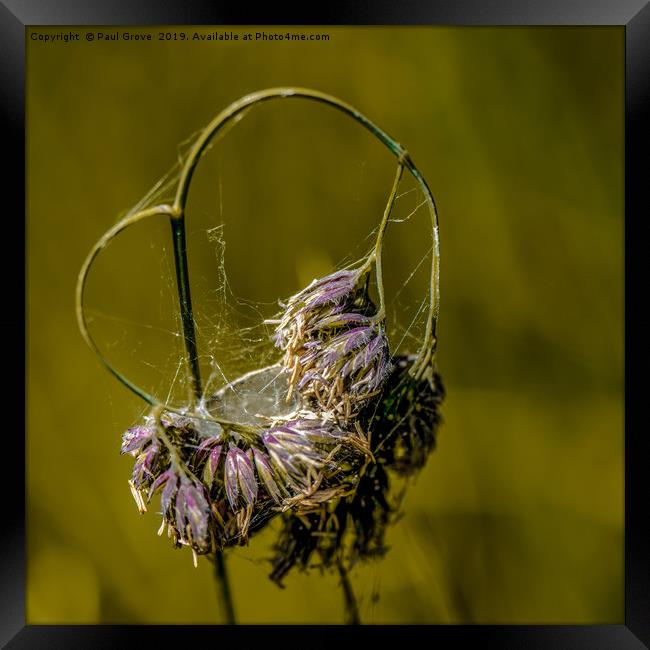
{"x":633,"y":15}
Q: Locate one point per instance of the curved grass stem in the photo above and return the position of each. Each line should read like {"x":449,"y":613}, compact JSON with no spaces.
{"x":379,"y":242}
{"x":219,"y":125}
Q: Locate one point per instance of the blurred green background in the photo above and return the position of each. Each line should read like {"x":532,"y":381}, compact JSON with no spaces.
{"x":518,"y":516}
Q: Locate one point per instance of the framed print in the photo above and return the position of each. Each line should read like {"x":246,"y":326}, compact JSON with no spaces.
{"x":358,"y":287}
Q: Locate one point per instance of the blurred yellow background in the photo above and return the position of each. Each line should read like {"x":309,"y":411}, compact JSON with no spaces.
{"x":518,"y":515}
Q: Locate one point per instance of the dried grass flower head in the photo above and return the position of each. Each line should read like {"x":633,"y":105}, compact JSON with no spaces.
{"x":335,"y":347}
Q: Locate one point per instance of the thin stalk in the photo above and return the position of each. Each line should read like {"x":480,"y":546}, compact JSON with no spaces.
{"x":189,"y":336}
{"x":106,"y":239}
{"x":223,"y":585}
{"x":351,"y":607}
{"x":376,"y":254}
{"x":185,"y":303}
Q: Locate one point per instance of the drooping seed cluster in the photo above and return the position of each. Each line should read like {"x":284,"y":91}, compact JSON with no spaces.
{"x":317,"y":467}
{"x":335,"y":349}
{"x":403,"y":424}
{"x":408,"y":417}
{"x":214,"y":489}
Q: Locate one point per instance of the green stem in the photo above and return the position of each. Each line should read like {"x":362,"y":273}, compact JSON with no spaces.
{"x":223,"y":584}
{"x":106,"y":239}
{"x":351,"y":607}
{"x":185,"y":302}
{"x":376,"y":254}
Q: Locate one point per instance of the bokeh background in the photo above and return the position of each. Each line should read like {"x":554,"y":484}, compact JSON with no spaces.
{"x":518,"y":515}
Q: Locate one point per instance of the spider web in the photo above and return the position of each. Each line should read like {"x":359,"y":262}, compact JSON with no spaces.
{"x":232,"y":330}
